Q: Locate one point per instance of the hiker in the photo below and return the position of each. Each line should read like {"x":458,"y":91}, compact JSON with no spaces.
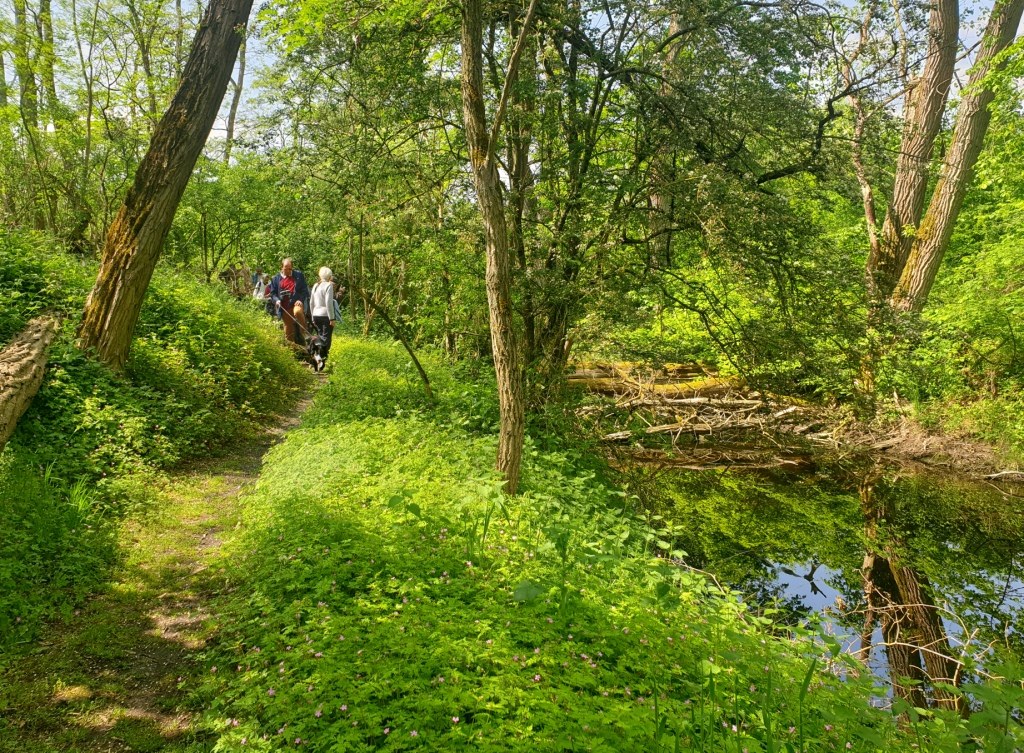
{"x":259,"y":292}
{"x":290,"y":294}
{"x":268,"y":302}
{"x":324,"y":309}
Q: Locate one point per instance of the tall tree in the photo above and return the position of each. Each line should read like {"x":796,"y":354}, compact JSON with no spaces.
{"x":236,"y":98}
{"x":903,"y":262}
{"x":925,"y":105}
{"x":23,"y":66}
{"x":3,"y":81}
{"x":136,"y":237}
{"x":481,"y":143}
{"x":48,"y":59}
{"x":972,"y":120}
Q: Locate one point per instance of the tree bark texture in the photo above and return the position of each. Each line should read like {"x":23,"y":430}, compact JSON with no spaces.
{"x":136,"y":236}
{"x":29,"y":96}
{"x":925,"y":106}
{"x":22,"y":366}
{"x":498,"y":276}
{"x":972,"y":120}
{"x":236,"y":98}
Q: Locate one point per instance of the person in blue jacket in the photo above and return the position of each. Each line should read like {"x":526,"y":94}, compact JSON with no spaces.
{"x":290,"y":295}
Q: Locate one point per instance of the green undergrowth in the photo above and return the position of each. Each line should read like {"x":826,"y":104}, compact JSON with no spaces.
{"x":997,"y":421}
{"x":205,"y":372}
{"x":387,"y":596}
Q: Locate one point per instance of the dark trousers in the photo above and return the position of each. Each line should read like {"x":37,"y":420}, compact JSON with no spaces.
{"x":325,"y":330}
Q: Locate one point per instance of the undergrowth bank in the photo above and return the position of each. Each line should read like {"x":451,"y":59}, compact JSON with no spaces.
{"x":388,"y":597}
{"x":205,"y":372}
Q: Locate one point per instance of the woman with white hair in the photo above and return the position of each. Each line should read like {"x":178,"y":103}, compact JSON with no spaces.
{"x":323,"y":310}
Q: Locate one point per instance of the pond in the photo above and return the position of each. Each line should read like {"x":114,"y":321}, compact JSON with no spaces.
{"x":911,"y":570}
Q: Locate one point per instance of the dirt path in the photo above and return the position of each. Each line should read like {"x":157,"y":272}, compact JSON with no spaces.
{"x":121,"y":675}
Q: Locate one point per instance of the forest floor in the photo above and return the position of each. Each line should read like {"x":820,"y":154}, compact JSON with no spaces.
{"x":121,"y":674}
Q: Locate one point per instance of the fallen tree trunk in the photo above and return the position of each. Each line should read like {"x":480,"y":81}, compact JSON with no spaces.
{"x":668,"y":402}
{"x":22,"y":365}
{"x":682,"y":428}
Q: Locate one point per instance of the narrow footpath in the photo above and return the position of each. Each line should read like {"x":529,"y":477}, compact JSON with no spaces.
{"x":122,"y":674}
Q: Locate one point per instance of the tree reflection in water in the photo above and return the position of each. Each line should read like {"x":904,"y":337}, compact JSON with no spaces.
{"x":900,"y":597}
{"x":921,"y":569}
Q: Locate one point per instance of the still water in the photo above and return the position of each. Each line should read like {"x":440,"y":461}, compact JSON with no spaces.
{"x":911,"y":570}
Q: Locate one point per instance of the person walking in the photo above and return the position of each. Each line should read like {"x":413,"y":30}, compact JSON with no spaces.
{"x":323,"y":309}
{"x":290,"y":294}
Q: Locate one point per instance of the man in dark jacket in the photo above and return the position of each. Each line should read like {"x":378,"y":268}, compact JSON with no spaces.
{"x":290,"y":295}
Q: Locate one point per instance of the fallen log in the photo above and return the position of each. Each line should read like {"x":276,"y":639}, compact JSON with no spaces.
{"x":22,"y":366}
{"x":1003,"y":474}
{"x":681,"y":428}
{"x":710,"y":402}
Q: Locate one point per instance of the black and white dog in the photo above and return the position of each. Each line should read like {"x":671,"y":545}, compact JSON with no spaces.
{"x":316,"y":349}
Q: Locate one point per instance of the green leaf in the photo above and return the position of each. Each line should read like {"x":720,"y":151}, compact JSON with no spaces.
{"x":526,"y":591}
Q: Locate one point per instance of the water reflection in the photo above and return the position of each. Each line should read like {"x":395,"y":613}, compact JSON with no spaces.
{"x":899,"y":597}
{"x":912,"y":571}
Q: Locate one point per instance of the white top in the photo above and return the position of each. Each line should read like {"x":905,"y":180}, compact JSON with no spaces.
{"x":320,"y":299}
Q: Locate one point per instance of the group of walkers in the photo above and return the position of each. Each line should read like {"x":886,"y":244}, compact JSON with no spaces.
{"x":288,"y":297}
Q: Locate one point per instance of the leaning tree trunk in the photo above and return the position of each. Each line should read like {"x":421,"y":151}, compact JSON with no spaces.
{"x":137,"y":235}
{"x":926,"y":104}
{"x":972,"y":121}
{"x":492,"y":208}
{"x":22,"y":365}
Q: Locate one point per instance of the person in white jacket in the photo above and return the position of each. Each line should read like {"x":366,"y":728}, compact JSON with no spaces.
{"x":321,"y":301}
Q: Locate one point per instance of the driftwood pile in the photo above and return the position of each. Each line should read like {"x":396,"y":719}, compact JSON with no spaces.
{"x":22,"y":366}
{"x":710,"y":421}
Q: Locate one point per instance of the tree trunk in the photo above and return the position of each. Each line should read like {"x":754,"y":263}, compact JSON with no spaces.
{"x":925,"y":630}
{"x":923,"y":118}
{"x":972,"y":119}
{"x":663,"y":165}
{"x":519,"y":149}
{"x":22,"y":366}
{"x":236,"y":98}
{"x":48,"y":60}
{"x":23,"y":67}
{"x":144,"y":43}
{"x":916,"y":644}
{"x":136,"y":237}
{"x":3,"y":80}
{"x":179,"y":37}
{"x":498,"y":276}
